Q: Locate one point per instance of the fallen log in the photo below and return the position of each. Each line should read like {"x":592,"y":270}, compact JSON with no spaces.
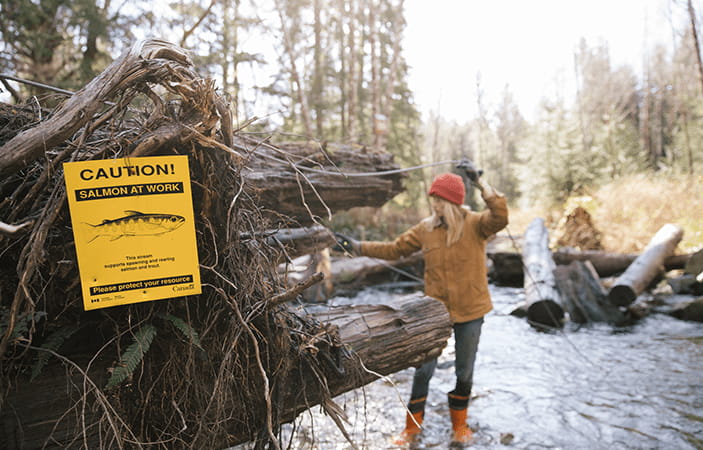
{"x":353,"y":274}
{"x":385,"y":338}
{"x":507,"y":266}
{"x":582,"y":295}
{"x":694,"y":265}
{"x":686,"y":284}
{"x":305,"y":180}
{"x":297,"y":242}
{"x":690,"y":310}
{"x":608,"y":264}
{"x":381,"y":339}
{"x":646,"y":267}
{"x":541,"y":295}
{"x":694,"y":270}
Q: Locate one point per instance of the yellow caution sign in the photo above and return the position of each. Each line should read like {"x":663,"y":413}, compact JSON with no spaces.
{"x":133,"y":228}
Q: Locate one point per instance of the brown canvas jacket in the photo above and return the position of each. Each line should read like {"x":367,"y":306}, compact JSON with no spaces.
{"x":456,"y":275}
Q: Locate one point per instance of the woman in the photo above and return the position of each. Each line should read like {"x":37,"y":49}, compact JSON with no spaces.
{"x":453,"y":241}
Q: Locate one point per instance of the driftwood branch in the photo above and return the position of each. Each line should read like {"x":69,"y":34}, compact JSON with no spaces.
{"x":297,"y":289}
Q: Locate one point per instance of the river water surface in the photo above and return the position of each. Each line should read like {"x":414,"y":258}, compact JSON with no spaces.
{"x":588,"y":387}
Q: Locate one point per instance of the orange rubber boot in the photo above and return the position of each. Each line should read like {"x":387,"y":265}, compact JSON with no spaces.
{"x":412,"y":429}
{"x":462,"y":434}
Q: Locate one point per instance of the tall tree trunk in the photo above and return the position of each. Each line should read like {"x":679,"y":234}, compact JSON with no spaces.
{"x":227,"y":26}
{"x":375,"y":67}
{"x":361,"y":92}
{"x":343,"y":62}
{"x":317,"y":74}
{"x":94,"y":28}
{"x":396,"y":37}
{"x":579,"y":101}
{"x":480,"y":160}
{"x":687,"y":136}
{"x":645,"y":132}
{"x":353,"y":88}
{"x":696,"y":43}
{"x":296,"y":81}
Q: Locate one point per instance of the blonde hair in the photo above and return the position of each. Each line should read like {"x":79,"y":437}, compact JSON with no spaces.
{"x":452,"y":215}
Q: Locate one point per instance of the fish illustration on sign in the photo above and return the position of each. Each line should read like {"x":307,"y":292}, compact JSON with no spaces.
{"x":136,"y":223}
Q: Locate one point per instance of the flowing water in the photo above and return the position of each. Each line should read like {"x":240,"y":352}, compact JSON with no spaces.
{"x":588,"y":387}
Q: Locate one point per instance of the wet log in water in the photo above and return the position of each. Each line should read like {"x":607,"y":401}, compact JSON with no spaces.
{"x":646,"y":267}
{"x":541,"y":295}
{"x":383,"y":339}
{"x":690,"y":310}
{"x":582,"y":295}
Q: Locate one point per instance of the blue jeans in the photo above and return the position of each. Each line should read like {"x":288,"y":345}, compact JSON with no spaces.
{"x":466,"y":337}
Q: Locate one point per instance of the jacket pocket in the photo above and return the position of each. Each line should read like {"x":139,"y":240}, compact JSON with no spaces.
{"x":432,"y":256}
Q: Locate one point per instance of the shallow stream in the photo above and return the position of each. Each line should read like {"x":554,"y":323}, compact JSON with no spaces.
{"x":588,"y":387}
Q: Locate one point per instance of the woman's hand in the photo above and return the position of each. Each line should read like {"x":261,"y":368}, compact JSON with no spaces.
{"x":347,"y":244}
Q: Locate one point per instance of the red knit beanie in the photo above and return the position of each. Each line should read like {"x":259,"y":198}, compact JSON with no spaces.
{"x":449,"y":187}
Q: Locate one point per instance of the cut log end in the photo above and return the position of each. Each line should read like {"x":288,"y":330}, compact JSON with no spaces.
{"x":621,"y":295}
{"x":546,"y":313}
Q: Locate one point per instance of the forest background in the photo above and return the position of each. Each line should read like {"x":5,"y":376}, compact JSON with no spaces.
{"x":626,"y":144}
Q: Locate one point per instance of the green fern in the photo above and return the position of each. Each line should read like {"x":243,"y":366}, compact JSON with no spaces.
{"x":132,"y":356}
{"x":53,"y":342}
{"x":23,"y":322}
{"x":184,"y":328}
